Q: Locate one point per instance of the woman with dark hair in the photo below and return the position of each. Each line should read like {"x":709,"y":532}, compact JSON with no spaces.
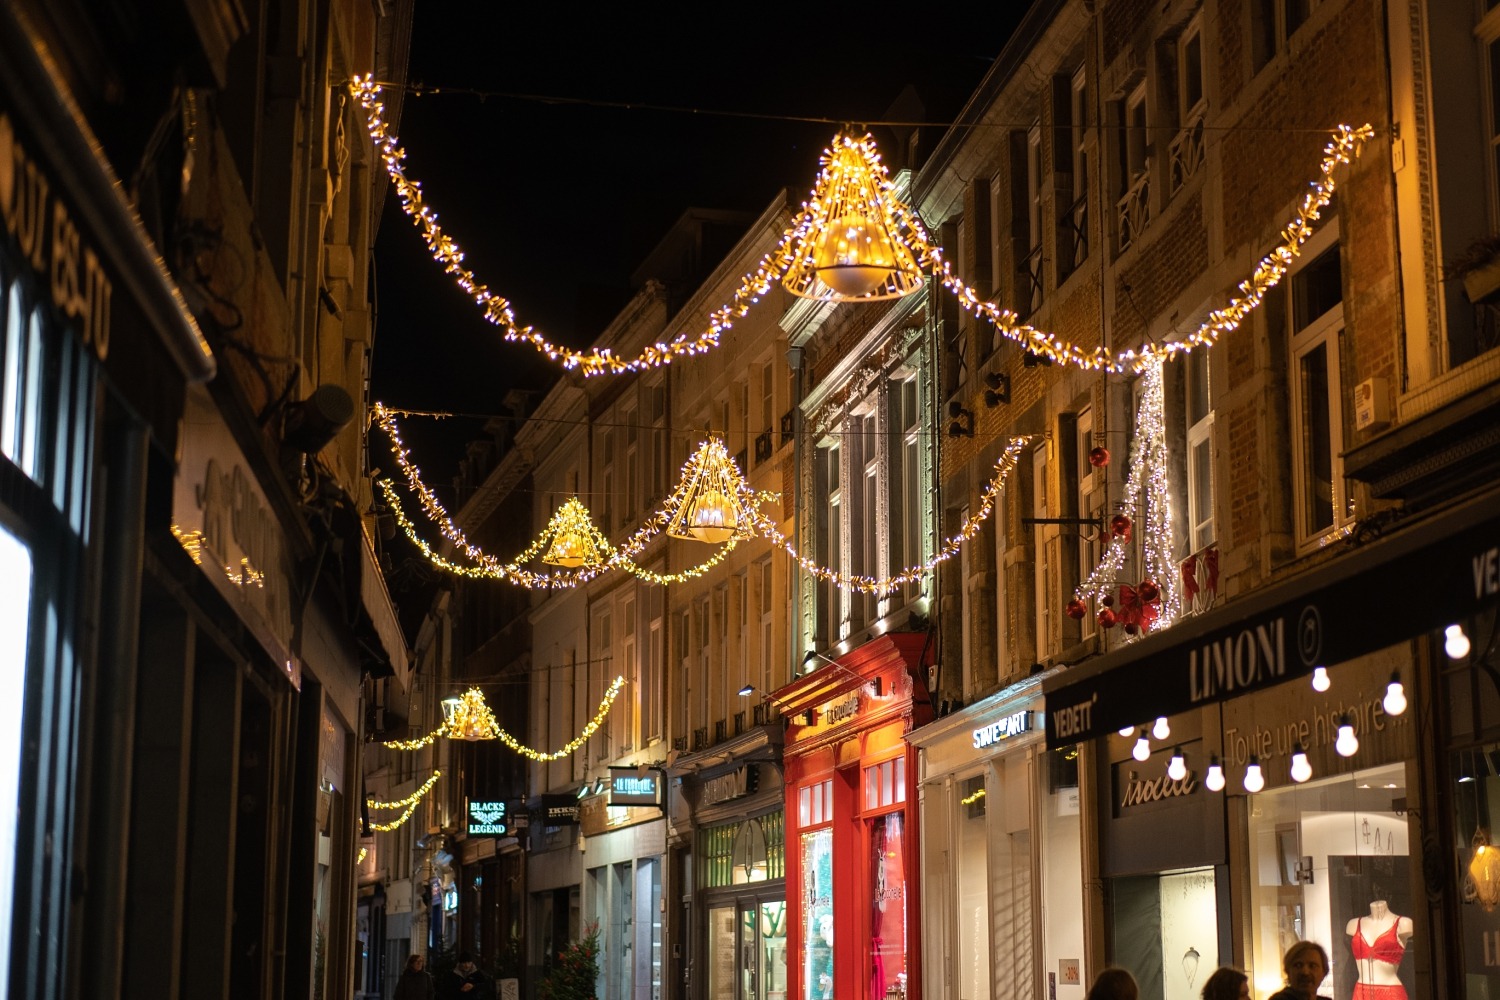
{"x":415,"y":983}
{"x":1227,"y":984}
{"x":1114,"y":984}
{"x":1305,"y":966}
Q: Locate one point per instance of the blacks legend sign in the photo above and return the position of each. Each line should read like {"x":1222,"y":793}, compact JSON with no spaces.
{"x":487,"y":819}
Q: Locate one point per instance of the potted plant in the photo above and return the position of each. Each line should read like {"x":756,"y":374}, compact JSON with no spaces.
{"x":1478,"y":267}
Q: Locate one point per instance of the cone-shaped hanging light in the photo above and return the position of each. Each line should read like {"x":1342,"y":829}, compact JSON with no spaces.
{"x":709,"y":504}
{"x":471,"y":718}
{"x":574,"y":539}
{"x":851,"y":247}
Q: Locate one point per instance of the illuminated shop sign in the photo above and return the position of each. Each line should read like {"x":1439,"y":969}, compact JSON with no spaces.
{"x":487,"y":819}
{"x":1003,"y":729}
{"x":559,"y":810}
{"x":629,"y":786}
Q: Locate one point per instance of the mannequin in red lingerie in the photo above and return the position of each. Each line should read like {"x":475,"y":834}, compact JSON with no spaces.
{"x":1378,"y":943}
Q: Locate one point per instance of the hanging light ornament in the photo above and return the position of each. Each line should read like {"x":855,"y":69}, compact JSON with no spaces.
{"x":850,"y":246}
{"x":571,"y":538}
{"x":712,"y":503}
{"x":469,"y":718}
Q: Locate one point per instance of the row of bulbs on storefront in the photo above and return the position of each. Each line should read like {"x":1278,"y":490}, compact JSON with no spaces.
{"x":1455,"y":644}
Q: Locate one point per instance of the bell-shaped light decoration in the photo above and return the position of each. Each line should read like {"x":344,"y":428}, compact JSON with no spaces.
{"x":1162,"y":729}
{"x":1301,"y":768}
{"x":573,"y":539}
{"x":1455,"y":642}
{"x":850,"y":245}
{"x":1214,"y":779}
{"x":1395,"y":695}
{"x":1347,"y":744}
{"x":1142,"y":749}
{"x":709,"y":503}
{"x":1177,"y":766}
{"x":1254,"y":779}
{"x":1320,"y":681}
{"x":471,"y":718}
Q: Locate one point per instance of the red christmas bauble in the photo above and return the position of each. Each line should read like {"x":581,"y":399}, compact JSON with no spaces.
{"x":1108,"y":600}
{"x":1120,"y":526}
{"x":1131,"y":628}
{"x":1106,"y":618}
{"x":1099,"y":457}
{"x":1076,"y":609}
{"x":1148,"y":592}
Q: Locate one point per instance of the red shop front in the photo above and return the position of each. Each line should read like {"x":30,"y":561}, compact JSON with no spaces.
{"x":851,"y":808}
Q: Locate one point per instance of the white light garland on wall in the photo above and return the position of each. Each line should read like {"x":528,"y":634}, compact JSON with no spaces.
{"x":1147,"y":484}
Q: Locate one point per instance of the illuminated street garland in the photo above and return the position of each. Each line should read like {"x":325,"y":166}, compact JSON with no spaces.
{"x":576,"y":742}
{"x":791,"y":252}
{"x":1148,"y":481}
{"x":488,"y":567}
{"x":1344,"y":147}
{"x":880,"y":586}
{"x":417,"y":743}
{"x":409,"y":804}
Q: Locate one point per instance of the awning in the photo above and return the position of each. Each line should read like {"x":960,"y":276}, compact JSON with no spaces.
{"x":1424,"y":578}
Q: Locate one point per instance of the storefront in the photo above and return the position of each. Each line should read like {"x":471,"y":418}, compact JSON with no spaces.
{"x":623,"y":832}
{"x":1002,"y":853}
{"x":851,"y":809}
{"x":1312,"y":788}
{"x":729,"y":802}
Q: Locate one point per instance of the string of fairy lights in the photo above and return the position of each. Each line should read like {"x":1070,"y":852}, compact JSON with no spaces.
{"x":855,"y":207}
{"x":576,"y":742}
{"x":710,"y":481}
{"x":408,"y":804}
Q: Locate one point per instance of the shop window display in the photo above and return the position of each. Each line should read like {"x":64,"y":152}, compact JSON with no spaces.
{"x":817,"y":914}
{"x":887,"y":908}
{"x":1331,"y":863}
{"x":973,"y":891}
{"x":1166,"y":931}
{"x":1476,"y":793}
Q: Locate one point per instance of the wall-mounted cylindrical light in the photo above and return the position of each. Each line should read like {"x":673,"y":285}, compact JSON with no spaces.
{"x":1177,"y":766}
{"x":1254,"y":779}
{"x":1395,"y":695}
{"x":1214,"y":779}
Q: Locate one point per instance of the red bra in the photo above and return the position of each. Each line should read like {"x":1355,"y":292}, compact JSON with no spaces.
{"x":1386,"y":948}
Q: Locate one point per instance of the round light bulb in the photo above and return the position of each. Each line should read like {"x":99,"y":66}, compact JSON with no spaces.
{"x":1395,"y":696}
{"x":1254,"y":780}
{"x":1214,"y":779}
{"x":1320,"y":681}
{"x":1347,"y":743}
{"x":1301,"y":769}
{"x":1455,"y":643}
{"x":1177,"y":767}
{"x":1142,"y":748}
{"x":1161,"y":730}
{"x":1128,"y":731}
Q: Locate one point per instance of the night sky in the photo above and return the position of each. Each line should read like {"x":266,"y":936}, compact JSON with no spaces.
{"x":556,"y":203}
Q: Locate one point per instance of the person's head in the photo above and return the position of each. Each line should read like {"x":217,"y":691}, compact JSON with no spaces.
{"x":1305,"y":965}
{"x":465,"y":963}
{"x":1113,"y":984}
{"x":1227,"y":984}
{"x":415,"y":961}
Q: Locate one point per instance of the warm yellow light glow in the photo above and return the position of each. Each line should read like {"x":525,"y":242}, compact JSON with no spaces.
{"x":409,"y":804}
{"x":851,"y":248}
{"x":1484,"y":869}
{"x":574,"y":541}
{"x":576,"y":742}
{"x":824,"y":231}
{"x":472,"y":719}
{"x":712,"y":501}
